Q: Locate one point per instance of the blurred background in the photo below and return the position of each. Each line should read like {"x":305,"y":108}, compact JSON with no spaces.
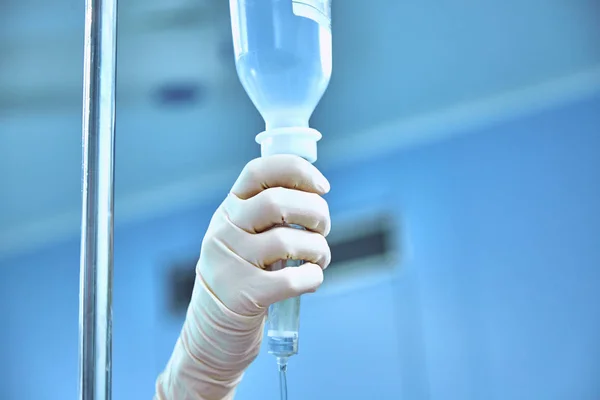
{"x":462,"y":144}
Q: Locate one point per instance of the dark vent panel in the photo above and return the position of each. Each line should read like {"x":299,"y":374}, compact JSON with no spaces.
{"x":370,"y":245}
{"x":180,"y":285}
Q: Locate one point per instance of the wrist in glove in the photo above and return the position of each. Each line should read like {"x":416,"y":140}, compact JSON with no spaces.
{"x":214,"y":348}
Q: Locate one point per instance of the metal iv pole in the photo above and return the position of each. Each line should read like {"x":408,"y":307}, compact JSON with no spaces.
{"x":96,"y":263}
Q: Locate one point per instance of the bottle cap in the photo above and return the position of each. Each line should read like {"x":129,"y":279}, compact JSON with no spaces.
{"x":300,"y":141}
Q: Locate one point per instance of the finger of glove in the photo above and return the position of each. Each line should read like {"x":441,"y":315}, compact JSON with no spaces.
{"x":282,"y":243}
{"x":285,"y":243}
{"x":276,"y":206}
{"x":293,"y":281}
{"x":282,"y":170}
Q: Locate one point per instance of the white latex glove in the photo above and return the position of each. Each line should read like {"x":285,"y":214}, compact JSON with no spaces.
{"x":224,"y":325}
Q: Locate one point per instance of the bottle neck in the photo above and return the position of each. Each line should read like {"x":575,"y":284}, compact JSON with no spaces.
{"x":299,"y":141}
{"x":287,"y":123}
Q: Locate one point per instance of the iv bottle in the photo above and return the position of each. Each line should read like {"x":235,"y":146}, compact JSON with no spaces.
{"x":283,"y":59}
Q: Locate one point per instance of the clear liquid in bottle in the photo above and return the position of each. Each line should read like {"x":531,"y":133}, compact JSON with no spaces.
{"x":283,"y":57}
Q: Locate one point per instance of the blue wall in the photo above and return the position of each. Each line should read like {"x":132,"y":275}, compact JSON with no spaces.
{"x":497,"y":296}
{"x":506,"y":233}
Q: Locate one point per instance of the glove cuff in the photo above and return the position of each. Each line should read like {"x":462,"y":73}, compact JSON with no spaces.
{"x":215,"y":347}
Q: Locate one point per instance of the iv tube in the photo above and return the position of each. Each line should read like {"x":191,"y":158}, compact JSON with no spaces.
{"x":283,"y":59}
{"x":282,"y":364}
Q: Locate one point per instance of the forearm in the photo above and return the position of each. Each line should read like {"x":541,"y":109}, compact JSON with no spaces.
{"x":213,"y":350}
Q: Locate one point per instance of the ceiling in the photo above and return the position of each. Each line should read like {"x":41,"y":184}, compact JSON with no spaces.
{"x":393,"y":60}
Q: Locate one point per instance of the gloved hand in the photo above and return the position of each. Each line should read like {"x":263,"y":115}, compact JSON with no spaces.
{"x":224,"y":324}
